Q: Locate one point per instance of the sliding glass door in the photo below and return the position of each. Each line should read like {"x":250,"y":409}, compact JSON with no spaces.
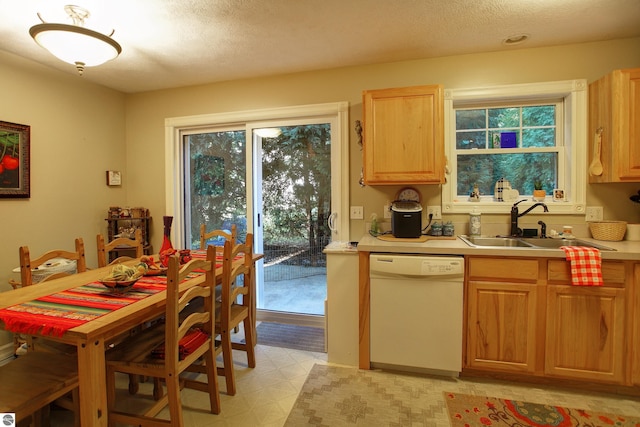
{"x":281,"y":186}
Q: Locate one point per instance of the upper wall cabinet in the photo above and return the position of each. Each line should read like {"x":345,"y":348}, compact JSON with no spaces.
{"x":404,"y":135}
{"x":614,"y":125}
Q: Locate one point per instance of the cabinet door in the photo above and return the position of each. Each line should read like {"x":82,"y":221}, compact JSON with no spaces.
{"x":614,"y":107}
{"x":635,"y":332}
{"x":585,"y":333}
{"x":501,"y":326}
{"x":629,"y":126}
{"x":404,"y":135}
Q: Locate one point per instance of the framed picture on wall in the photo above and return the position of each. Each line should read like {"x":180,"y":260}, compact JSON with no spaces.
{"x":114,"y":178}
{"x":558,"y":195}
{"x":15,"y":140}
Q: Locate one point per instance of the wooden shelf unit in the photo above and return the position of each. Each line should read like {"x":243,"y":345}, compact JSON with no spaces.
{"x":125,"y":226}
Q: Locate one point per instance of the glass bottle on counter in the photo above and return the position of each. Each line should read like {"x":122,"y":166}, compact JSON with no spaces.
{"x":474,"y":222}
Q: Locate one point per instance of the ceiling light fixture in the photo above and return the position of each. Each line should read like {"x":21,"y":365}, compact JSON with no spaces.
{"x":76,"y":44}
{"x":268,"y":132}
{"x":517,"y":39}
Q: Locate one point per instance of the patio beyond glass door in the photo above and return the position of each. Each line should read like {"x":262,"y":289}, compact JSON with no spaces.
{"x":293,"y":189}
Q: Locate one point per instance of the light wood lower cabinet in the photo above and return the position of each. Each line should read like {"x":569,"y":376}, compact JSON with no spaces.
{"x":585,"y":333}
{"x":524,"y":316}
{"x":502,"y":314}
{"x":502,"y":326}
{"x":635,"y":329}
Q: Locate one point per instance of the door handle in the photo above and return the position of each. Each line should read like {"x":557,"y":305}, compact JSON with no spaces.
{"x":331,"y":222}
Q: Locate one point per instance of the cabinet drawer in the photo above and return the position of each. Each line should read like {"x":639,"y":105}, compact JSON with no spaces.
{"x":519,"y":270}
{"x":559,"y":272}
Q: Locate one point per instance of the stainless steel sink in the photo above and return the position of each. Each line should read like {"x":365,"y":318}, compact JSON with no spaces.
{"x":556,"y":243}
{"x":494,"y":241}
{"x":526,"y":243}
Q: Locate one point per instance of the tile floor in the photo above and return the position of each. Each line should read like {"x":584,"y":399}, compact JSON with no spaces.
{"x":266,"y":394}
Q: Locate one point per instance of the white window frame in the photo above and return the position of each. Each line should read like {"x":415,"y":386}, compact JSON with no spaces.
{"x":175,"y":127}
{"x":574,"y":116}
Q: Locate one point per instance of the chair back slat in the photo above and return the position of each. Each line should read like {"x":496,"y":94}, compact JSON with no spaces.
{"x":231,"y":271}
{"x":178,"y":326}
{"x":228,"y":236}
{"x":104,"y":249}
{"x":27,"y":264}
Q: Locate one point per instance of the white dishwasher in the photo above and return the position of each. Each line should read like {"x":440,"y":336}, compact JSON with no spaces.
{"x":416,"y":312}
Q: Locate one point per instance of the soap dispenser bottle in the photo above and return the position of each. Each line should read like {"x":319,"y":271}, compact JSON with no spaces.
{"x":474,"y":222}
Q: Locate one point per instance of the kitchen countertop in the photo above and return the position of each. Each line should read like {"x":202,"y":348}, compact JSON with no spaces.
{"x":624,"y":250}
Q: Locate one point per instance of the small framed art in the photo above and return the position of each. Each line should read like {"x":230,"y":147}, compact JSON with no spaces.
{"x":558,"y":195}
{"x":114,"y":178}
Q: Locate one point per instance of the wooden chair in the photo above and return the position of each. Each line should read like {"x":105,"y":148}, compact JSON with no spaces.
{"x":204,"y":236}
{"x":135,"y":355}
{"x":33,"y":381}
{"x":27,"y":264}
{"x":231,"y":312}
{"x":104,"y":249}
{"x":26,"y":274}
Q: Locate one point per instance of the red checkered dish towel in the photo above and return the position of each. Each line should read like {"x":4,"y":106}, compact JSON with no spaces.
{"x":586,"y":265}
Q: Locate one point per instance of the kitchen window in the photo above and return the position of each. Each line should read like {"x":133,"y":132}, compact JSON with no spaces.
{"x":522,"y":133}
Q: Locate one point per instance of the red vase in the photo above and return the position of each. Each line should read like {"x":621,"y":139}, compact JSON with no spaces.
{"x":166,"y":250}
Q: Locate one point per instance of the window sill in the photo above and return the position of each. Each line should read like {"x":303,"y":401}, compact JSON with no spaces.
{"x":489,"y":206}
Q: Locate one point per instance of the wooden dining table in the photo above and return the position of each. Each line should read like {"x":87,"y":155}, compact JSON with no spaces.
{"x":91,"y":338}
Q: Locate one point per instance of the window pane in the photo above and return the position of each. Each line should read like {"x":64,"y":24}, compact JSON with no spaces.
{"x":470,"y":140}
{"x":543,"y":115}
{"x":471,"y":119}
{"x":519,"y":169}
{"x":216,"y":175}
{"x":504,"y":117}
{"x":539,"y":137}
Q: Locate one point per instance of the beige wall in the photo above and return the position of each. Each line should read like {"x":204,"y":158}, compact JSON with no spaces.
{"x":80,"y":130}
{"x":146,"y":112}
{"x":77,"y":133}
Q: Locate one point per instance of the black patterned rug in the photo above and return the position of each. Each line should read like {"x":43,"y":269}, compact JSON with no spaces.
{"x":291,"y":336}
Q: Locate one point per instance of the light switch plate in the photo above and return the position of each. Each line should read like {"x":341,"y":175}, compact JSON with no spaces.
{"x":436,"y":211}
{"x":594,"y":213}
{"x":357,"y":212}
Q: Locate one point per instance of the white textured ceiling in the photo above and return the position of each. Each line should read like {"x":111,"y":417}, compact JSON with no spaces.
{"x":172,"y":43}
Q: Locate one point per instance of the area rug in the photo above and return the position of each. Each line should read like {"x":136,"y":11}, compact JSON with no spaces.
{"x":468,"y":410}
{"x":291,"y":336}
{"x":334,"y":396}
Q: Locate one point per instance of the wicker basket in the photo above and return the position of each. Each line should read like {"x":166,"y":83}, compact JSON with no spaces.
{"x":608,"y":230}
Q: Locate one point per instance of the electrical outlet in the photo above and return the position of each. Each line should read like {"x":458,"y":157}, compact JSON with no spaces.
{"x":357,"y":212}
{"x":435,"y":210}
{"x":386,"y":211}
{"x":594,"y":213}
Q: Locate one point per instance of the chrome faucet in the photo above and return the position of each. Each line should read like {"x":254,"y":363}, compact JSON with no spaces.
{"x":515,"y":231}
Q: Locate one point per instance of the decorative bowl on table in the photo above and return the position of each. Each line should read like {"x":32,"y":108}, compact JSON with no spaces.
{"x":122,"y":277}
{"x":119,"y":286}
